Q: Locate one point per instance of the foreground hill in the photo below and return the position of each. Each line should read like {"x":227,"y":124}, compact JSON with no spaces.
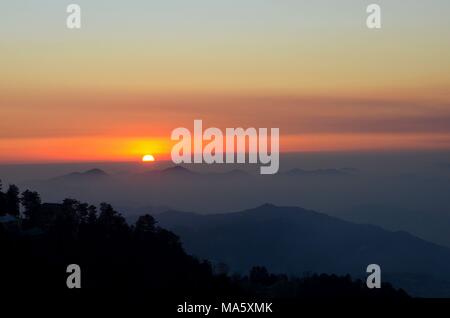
{"x":294,"y":240}
{"x":142,"y":263}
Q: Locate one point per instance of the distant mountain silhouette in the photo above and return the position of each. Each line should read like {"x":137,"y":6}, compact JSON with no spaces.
{"x":179,"y":171}
{"x":294,"y":240}
{"x":167,"y":173}
{"x":77,"y":176}
{"x":182,"y":174}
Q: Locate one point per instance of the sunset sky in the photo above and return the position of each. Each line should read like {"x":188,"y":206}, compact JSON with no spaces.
{"x":136,"y":70}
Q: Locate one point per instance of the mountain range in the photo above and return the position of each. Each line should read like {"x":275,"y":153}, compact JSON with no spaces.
{"x":296,"y":241}
{"x":399,"y":201}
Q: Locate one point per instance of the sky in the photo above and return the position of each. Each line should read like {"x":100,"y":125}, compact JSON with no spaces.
{"x":136,"y":70}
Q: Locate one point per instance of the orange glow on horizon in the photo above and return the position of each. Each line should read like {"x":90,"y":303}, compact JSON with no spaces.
{"x":110,"y":149}
{"x":82,"y":149}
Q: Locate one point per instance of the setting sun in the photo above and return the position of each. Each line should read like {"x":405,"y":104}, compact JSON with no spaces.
{"x":148,"y":158}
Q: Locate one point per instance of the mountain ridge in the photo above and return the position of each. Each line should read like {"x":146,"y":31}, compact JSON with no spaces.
{"x":296,"y":240}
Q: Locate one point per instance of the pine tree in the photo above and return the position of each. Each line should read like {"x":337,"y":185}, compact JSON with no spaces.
{"x":31,"y":202}
{"x":12,"y":200}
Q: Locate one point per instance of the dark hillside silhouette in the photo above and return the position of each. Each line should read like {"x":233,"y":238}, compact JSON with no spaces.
{"x":293,"y":240}
{"x":38,"y":245}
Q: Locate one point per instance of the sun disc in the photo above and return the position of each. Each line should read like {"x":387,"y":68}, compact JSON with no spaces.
{"x":148,"y":158}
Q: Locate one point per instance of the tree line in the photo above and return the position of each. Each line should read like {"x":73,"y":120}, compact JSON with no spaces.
{"x":115,"y":255}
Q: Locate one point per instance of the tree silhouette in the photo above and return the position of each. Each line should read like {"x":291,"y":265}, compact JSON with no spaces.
{"x":145,"y":227}
{"x":111,"y":222}
{"x":126,"y":259}
{"x":31,"y":203}
{"x":92,"y":215}
{"x":2,"y":200}
{"x":145,"y":224}
{"x":12,"y":200}
{"x":82,"y":212}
